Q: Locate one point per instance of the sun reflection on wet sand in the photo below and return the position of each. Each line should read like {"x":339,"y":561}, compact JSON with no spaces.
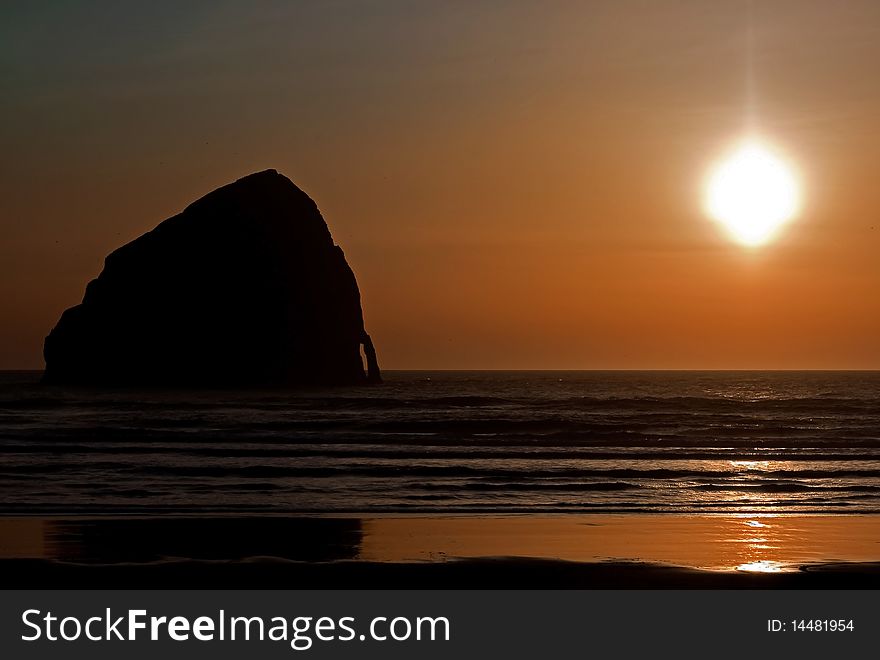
{"x":764,"y":566}
{"x":758,"y":542}
{"x":762,"y":542}
{"x":736,"y":542}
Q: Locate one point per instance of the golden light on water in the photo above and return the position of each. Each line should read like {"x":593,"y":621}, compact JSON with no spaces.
{"x":753,"y":193}
{"x":763,"y":566}
{"x":758,"y":540}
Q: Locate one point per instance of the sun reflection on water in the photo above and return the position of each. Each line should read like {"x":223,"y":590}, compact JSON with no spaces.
{"x":758,"y":540}
{"x":763,"y":566}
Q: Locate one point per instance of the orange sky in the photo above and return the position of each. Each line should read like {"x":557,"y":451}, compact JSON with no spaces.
{"x":516,"y":184}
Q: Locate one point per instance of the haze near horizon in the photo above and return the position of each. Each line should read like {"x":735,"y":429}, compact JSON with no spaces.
{"x":516,"y":185}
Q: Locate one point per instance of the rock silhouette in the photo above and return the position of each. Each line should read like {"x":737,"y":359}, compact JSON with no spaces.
{"x":245,"y":287}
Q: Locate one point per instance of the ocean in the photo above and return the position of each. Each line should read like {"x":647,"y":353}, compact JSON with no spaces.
{"x":451,"y":442}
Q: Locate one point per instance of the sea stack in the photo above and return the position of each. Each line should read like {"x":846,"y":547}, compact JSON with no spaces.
{"x":244,"y":288}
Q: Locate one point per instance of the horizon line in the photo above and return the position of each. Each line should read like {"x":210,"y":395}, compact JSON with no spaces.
{"x":595,"y":370}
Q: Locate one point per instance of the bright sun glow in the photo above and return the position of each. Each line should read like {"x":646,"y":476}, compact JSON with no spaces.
{"x":753,"y":193}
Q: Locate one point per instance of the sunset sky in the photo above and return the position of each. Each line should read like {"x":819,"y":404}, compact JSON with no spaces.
{"x":517,"y":185}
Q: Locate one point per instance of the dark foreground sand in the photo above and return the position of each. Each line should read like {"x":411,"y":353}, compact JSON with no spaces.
{"x":488,"y":573}
{"x":498,"y":552}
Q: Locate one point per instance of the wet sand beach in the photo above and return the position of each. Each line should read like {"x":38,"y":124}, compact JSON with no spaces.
{"x":576,"y":551}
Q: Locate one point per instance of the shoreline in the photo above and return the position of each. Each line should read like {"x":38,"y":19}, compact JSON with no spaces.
{"x":488,"y":573}
{"x":600,"y":551}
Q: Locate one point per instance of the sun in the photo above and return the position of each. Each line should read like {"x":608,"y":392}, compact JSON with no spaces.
{"x":752,"y":192}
